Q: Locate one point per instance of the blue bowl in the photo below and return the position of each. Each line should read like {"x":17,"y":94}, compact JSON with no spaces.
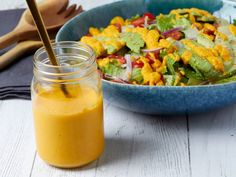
{"x":146,"y":99}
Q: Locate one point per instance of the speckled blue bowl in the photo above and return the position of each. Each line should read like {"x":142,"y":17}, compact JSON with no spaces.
{"x":146,"y":99}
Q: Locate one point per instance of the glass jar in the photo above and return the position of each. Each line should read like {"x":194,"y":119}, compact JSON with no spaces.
{"x":68,"y":106}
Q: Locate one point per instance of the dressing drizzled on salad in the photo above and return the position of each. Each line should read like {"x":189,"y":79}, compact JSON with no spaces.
{"x":182,"y":48}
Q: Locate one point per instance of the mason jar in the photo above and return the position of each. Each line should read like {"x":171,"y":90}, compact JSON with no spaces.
{"x":67,"y":106}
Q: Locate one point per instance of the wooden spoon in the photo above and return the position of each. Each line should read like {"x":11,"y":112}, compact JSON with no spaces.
{"x":21,"y":49}
{"x":54,"y":13}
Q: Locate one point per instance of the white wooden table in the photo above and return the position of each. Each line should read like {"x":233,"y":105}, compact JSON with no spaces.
{"x":136,"y":145}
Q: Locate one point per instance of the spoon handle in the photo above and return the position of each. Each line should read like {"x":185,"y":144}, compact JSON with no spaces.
{"x":17,"y":34}
{"x":9,"y":38}
{"x":18,"y":51}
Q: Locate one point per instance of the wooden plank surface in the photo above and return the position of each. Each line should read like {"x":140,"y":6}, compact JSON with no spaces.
{"x":17,"y":148}
{"x":213,"y":143}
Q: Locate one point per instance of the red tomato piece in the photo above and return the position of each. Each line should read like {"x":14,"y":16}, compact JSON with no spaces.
{"x":150,"y":60}
{"x":135,"y":64}
{"x":138,"y":22}
{"x":150,"y":16}
{"x":112,"y":56}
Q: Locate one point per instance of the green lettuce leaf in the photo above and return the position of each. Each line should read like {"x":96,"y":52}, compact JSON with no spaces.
{"x":137,"y":76}
{"x":165,"y":22}
{"x":182,"y":22}
{"x":191,"y":77}
{"x":193,"y":81}
{"x":191,"y":74}
{"x":230,"y":79}
{"x":169,"y":80}
{"x":133,"y":41}
{"x":203,"y":40}
{"x":163,"y":53}
{"x":152,"y":27}
{"x":170,"y":65}
{"x":204,"y":67}
{"x":113,"y":69}
{"x":227,"y":75}
{"x":201,"y":65}
{"x":111,"y":49}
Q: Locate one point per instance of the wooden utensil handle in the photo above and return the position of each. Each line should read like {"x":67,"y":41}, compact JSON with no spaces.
{"x":9,"y":38}
{"x":18,"y":51}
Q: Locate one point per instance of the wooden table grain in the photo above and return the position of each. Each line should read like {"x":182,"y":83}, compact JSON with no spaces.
{"x":136,"y":145}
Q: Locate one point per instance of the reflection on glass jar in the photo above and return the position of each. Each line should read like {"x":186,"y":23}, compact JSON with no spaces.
{"x":68,"y":106}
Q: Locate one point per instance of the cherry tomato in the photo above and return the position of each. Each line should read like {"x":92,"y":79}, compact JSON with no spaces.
{"x":150,"y":16}
{"x":138,"y":22}
{"x":141,"y":20}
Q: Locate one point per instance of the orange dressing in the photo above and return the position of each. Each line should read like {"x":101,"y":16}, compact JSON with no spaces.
{"x":69,"y":131}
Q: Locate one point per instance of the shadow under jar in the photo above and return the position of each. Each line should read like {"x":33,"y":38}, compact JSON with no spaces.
{"x":68,"y":127}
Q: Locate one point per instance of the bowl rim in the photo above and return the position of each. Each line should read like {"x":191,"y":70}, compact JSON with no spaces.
{"x":171,"y":87}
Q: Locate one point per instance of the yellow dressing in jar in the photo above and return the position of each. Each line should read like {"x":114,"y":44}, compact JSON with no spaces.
{"x":68,"y":129}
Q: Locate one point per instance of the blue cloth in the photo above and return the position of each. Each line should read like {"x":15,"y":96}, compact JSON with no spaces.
{"x":14,"y":80}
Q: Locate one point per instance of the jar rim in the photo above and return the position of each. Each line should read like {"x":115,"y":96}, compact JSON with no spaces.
{"x":66,"y":51}
{"x":66,"y":44}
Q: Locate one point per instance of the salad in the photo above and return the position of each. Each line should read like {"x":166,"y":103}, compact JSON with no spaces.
{"x":183,"y":48}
